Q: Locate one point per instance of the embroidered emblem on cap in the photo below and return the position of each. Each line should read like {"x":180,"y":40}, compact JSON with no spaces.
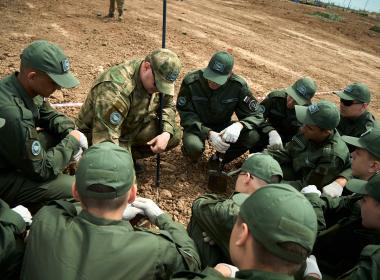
{"x":181,"y":101}
{"x":219,"y":67}
{"x":348,"y":89}
{"x":36,"y":148}
{"x":115,"y":118}
{"x":302,"y":90}
{"x":313,"y":108}
{"x":65,"y":65}
{"x":172,"y":76}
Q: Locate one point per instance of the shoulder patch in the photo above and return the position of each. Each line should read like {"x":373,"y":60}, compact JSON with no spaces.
{"x":36,"y":148}
{"x":253,"y":104}
{"x":115,"y":118}
{"x":181,"y":101}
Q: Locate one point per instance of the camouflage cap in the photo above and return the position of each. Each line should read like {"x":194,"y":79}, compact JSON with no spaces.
{"x":219,"y":67}
{"x":323,"y":114}
{"x":261,"y":166}
{"x":105,"y":164}
{"x":369,"y":141}
{"x":356,"y":91}
{"x":370,"y":187}
{"x":2,"y":122}
{"x":166,"y":68}
{"x":279,"y":213}
{"x":303,"y":90}
{"x":50,"y":59}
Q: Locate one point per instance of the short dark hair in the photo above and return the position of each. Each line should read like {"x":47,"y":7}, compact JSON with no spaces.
{"x":106,"y":204}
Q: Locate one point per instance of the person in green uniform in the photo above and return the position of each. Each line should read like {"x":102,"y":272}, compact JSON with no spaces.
{"x":213,"y":216}
{"x":272,"y":237}
{"x":317,"y":154}
{"x":37,"y":142}
{"x":206,"y":102}
{"x":120,"y":9}
{"x":279,"y":111}
{"x":123,"y":103}
{"x":96,"y":243}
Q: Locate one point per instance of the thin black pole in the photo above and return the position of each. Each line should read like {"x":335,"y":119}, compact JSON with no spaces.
{"x":158,"y":157}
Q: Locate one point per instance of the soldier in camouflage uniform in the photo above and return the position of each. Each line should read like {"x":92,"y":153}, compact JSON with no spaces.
{"x":96,"y":243}
{"x":213,"y":216}
{"x":273,"y":234}
{"x":37,"y":142}
{"x":279,"y":111}
{"x":123,"y":102}
{"x":317,"y":154}
{"x":206,"y":101}
{"x":120,"y":9}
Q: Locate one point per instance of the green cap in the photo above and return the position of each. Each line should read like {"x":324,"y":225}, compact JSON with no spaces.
{"x":261,"y":166}
{"x":219,"y":67}
{"x":166,"y":68}
{"x":370,"y":187}
{"x":303,"y":90}
{"x":50,"y":59}
{"x":279,"y":213}
{"x":369,"y":141}
{"x":2,"y":122}
{"x":323,"y":114}
{"x":356,"y":91}
{"x":105,"y":164}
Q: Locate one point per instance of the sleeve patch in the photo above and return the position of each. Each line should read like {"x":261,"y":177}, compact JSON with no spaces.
{"x":181,"y":101}
{"x":253,"y":105}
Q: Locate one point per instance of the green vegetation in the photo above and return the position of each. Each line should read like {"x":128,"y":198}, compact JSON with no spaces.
{"x":375,"y":28}
{"x":328,"y":16}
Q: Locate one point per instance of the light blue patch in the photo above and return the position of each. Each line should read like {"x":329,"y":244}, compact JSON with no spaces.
{"x":115,"y":118}
{"x":302,"y":90}
{"x":219,"y":67}
{"x":313,"y":108}
{"x":36,"y":148}
{"x":181,"y":101}
{"x":172,"y":76}
{"x":65,"y":65}
{"x":348,"y":89}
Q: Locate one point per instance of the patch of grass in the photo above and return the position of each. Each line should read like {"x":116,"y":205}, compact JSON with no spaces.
{"x":328,"y":16}
{"x":375,"y":28}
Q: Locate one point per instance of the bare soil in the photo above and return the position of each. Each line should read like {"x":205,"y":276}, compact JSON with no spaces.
{"x":274,"y":43}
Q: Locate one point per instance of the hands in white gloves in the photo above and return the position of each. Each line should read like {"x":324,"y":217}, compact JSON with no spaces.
{"x":217,"y":142}
{"x":151,"y":209}
{"x":275,"y":142}
{"x":311,"y":189}
{"x":232,"y":132}
{"x":83,"y":144}
{"x":24,"y":213}
{"x":78,"y":155}
{"x":312,"y":267}
{"x":333,"y":189}
{"x":130,"y":212}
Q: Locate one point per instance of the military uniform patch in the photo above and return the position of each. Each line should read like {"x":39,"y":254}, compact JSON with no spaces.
{"x":115,"y":118}
{"x":65,"y":65}
{"x":313,"y":108}
{"x":253,"y":105}
{"x":181,"y":101}
{"x":302,"y":90}
{"x":36,"y":148}
{"x":348,"y":89}
{"x":219,"y":67}
{"x":172,"y":76}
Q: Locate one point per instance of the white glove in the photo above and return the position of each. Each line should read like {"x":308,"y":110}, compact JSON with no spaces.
{"x":130,"y":212}
{"x":78,"y":155}
{"x":231,"y":133}
{"x":333,"y":189}
{"x":312,"y":267}
{"x":83,"y":141}
{"x":217,"y":142}
{"x":151,"y":209}
{"x":224,"y":267}
{"x":311,"y":189}
{"x":207,"y":239}
{"x":275,"y":142}
{"x":24,"y":213}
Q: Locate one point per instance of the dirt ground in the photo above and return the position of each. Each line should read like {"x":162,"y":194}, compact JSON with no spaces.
{"x":274,"y":43}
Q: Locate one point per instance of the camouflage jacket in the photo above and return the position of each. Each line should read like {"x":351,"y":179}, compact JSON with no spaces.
{"x":118,"y":106}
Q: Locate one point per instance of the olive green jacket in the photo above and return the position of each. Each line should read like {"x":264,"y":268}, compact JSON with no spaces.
{"x":305,"y":163}
{"x":356,"y":127}
{"x":63,"y":244}
{"x":202,"y":109}
{"x":118,"y":107}
{"x":20,"y":148}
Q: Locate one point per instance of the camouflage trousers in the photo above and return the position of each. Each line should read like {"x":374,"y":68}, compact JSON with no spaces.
{"x":120,"y":7}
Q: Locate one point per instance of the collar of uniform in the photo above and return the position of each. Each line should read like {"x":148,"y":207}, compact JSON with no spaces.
{"x":101,"y":221}
{"x":136,"y":76}
{"x":262,"y":275}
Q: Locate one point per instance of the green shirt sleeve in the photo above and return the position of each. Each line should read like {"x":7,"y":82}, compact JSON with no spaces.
{"x":168,"y":114}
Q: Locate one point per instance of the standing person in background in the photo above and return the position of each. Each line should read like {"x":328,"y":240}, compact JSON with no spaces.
{"x":120,"y":9}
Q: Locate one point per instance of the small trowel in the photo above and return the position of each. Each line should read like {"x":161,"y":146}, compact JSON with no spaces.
{"x":217,"y":178}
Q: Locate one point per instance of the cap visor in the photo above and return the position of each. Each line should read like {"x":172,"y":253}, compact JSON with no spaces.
{"x":344,"y":96}
{"x":2,"y":122}
{"x":303,"y":116}
{"x":293,"y":94}
{"x":354,"y":141}
{"x":357,"y":186}
{"x":165,"y":87}
{"x":239,"y":198}
{"x":66,"y":80}
{"x":214,"y":77}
